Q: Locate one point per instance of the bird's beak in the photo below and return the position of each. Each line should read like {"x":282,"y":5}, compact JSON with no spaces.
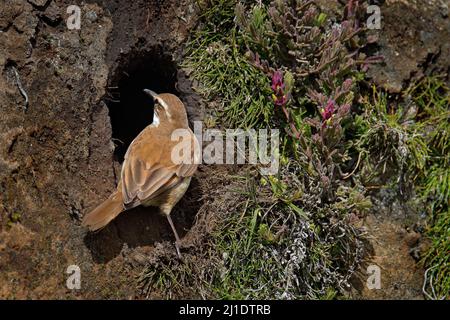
{"x":154,"y":95}
{"x":151,"y":93}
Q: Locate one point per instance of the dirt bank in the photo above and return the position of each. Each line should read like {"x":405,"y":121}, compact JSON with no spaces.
{"x":57,"y":157}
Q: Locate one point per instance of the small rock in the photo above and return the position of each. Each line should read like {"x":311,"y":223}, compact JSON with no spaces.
{"x":425,"y":37}
{"x":139,"y":258}
{"x":53,"y":13}
{"x":412,"y":238}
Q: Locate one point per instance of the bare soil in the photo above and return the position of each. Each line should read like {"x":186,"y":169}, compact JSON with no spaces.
{"x":59,"y":157}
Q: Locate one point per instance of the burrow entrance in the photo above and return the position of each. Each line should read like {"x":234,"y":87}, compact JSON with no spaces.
{"x":130,"y":109}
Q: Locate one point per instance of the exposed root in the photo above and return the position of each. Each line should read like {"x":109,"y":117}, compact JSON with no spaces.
{"x":21,"y":89}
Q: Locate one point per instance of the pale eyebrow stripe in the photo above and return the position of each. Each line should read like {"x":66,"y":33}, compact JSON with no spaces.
{"x":164,"y":104}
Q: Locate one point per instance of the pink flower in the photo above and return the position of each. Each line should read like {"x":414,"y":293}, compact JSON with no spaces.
{"x":329,"y":110}
{"x":279,"y":97}
{"x":277,"y":81}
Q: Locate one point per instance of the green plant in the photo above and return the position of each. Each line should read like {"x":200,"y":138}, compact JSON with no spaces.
{"x":291,"y":235}
{"x":389,"y":137}
{"x":411,"y":140}
{"x":226,"y":76}
{"x":14,"y":218}
{"x":432,"y":98}
{"x":437,"y":259}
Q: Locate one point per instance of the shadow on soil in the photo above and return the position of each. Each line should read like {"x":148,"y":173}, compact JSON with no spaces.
{"x":143,"y":227}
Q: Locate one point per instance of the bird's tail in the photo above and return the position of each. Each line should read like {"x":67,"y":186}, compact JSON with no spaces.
{"x":104,"y":213}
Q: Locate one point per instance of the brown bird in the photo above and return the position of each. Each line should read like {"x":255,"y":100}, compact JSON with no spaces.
{"x":149,"y":176}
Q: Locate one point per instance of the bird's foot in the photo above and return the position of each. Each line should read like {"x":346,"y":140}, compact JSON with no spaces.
{"x":177,"y":246}
{"x":177,"y":238}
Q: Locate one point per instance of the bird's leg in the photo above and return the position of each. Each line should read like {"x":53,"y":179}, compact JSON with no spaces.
{"x":177,"y":238}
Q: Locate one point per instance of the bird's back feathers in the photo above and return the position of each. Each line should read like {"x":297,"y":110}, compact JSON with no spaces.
{"x":149,"y":176}
{"x":148,"y":169}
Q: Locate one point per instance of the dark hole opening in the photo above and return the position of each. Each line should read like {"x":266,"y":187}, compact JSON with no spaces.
{"x":130,"y":109}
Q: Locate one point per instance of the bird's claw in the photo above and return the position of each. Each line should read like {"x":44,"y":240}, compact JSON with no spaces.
{"x":177,"y":247}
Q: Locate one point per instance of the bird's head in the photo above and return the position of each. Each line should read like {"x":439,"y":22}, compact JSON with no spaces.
{"x":169,"y":107}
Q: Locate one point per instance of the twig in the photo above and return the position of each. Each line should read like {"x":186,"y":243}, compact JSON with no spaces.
{"x":19,"y":85}
{"x":354,"y":170}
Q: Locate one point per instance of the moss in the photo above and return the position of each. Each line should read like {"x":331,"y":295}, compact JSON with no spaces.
{"x":14,"y":218}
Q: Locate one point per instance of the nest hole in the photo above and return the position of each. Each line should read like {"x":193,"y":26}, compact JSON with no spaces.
{"x":130,"y":109}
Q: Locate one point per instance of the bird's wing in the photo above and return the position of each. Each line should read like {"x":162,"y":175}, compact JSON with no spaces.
{"x":148,"y":169}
